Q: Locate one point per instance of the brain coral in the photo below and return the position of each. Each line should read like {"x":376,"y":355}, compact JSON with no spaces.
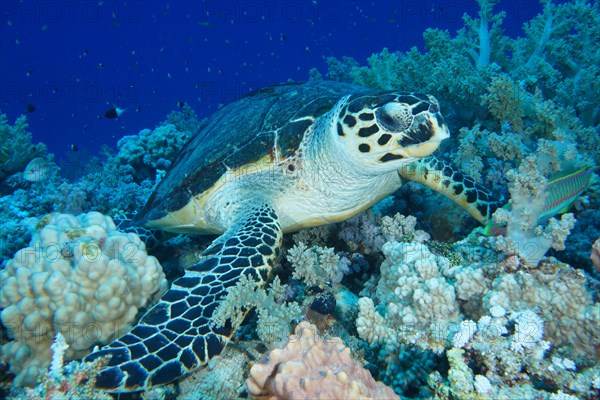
{"x":310,"y":367}
{"x":80,"y":277}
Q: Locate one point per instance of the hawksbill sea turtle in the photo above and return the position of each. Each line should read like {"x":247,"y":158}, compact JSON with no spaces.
{"x":280,"y":159}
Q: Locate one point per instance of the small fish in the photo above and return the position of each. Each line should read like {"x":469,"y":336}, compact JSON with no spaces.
{"x":100,"y":66}
{"x":37,"y":170}
{"x":30,"y":108}
{"x":74,"y":147}
{"x":180,"y":104}
{"x":206,"y":24}
{"x":114,"y":112}
{"x":562,"y":194}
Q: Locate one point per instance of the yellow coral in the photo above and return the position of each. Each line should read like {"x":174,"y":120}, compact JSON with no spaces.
{"x":79,"y":277}
{"x":505,"y":101}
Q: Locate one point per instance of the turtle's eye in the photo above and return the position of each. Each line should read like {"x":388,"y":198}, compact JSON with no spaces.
{"x":394,"y":117}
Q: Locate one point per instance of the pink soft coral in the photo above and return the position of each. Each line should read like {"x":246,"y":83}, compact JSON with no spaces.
{"x":310,"y":367}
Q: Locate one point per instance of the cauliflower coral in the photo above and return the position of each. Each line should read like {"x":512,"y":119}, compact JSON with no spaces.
{"x":79,"y":277}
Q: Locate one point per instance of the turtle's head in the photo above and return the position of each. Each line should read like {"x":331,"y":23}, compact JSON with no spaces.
{"x":386,"y":130}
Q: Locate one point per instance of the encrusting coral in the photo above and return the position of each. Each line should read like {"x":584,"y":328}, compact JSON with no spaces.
{"x":559,"y":292}
{"x":507,"y":351}
{"x":311,"y":367}
{"x":79,"y":277}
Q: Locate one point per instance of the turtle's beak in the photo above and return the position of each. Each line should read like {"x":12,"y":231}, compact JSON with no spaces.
{"x":422,"y":150}
{"x":439,"y":132}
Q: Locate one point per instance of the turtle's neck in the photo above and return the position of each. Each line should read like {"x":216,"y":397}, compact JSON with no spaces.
{"x":329,"y":166}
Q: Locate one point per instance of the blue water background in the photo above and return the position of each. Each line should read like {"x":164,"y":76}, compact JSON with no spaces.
{"x":74,"y":60}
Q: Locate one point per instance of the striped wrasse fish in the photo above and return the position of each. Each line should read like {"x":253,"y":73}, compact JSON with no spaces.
{"x":562,"y":193}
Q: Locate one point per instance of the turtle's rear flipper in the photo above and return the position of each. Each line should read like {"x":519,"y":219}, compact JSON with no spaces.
{"x":176,"y":336}
{"x":458,"y":187}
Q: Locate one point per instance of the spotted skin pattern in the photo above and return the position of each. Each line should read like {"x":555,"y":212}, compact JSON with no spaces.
{"x":390,"y":123}
{"x":458,"y":187}
{"x":176,"y":335}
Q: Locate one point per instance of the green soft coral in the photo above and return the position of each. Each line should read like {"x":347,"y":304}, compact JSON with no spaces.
{"x":560,"y":55}
{"x":446,"y":70}
{"x":504,"y":100}
{"x":16,"y":149}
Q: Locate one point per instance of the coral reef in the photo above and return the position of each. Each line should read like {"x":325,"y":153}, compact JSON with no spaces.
{"x":401,"y":228}
{"x":316,"y":266}
{"x":16,"y":150}
{"x":109,"y":184}
{"x":274,"y":314}
{"x":420,"y":302}
{"x":313,"y":367}
{"x":426,"y":299}
{"x":507,"y":356}
{"x":433,"y":315}
{"x":362,"y":233}
{"x":223,"y":378}
{"x":79,"y":277}
{"x":152,"y":150}
{"x":524,"y":235}
{"x":74,"y":381}
{"x":559,"y":293}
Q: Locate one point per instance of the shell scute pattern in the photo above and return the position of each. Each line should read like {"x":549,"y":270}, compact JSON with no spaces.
{"x":240,"y":134}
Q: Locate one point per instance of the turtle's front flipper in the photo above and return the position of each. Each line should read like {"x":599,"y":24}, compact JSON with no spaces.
{"x":176,"y":336}
{"x":461,"y":189}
